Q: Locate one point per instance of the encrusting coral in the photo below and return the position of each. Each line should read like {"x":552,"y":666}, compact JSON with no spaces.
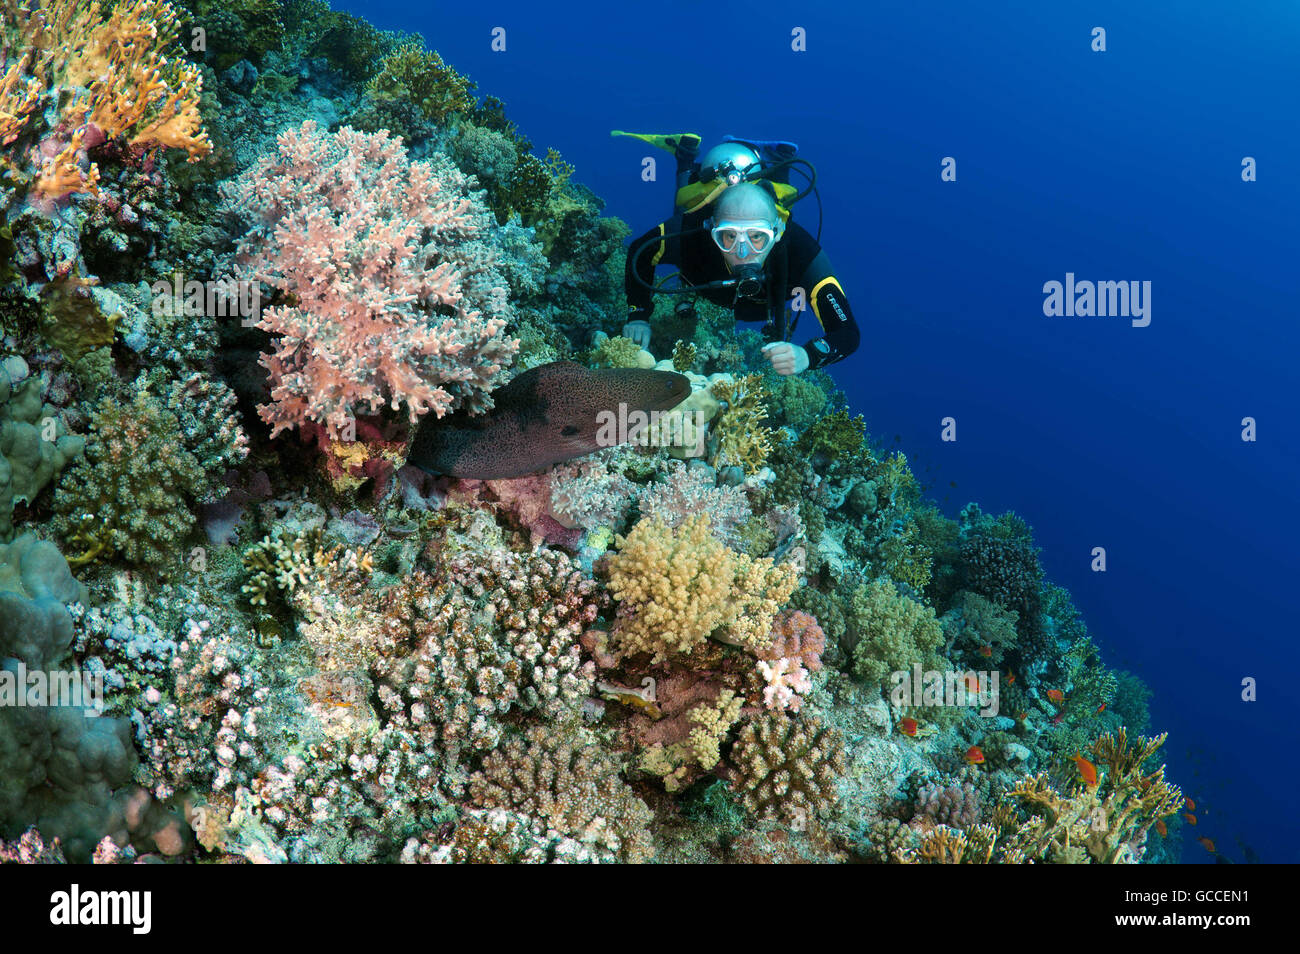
{"x":34,"y":443}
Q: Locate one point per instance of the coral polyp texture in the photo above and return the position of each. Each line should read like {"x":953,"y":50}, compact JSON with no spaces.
{"x":231,"y":280}
{"x":370,"y":248}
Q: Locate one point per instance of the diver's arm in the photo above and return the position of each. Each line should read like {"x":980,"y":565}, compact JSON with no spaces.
{"x":830,"y":305}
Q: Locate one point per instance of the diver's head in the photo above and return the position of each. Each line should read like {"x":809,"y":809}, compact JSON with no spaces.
{"x":729,"y":160}
{"x":746,"y":224}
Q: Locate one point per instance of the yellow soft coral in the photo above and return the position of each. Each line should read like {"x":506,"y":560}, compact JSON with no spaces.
{"x":679,"y":586}
{"x":743,"y":439}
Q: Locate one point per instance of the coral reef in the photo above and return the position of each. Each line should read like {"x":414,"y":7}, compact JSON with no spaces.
{"x":34,"y":443}
{"x":678,"y":586}
{"x":787,"y":768}
{"x":129,"y":495}
{"x":678,"y":651}
{"x":322,"y":216}
{"x":573,"y":787}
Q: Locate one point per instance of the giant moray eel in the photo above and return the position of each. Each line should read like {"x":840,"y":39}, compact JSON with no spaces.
{"x":546,"y":415}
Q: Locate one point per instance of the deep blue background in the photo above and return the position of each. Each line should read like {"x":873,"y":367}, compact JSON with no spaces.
{"x":1115,"y":165}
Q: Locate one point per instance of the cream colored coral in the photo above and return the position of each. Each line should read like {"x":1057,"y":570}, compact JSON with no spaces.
{"x":712,"y":723}
{"x":679,"y":586}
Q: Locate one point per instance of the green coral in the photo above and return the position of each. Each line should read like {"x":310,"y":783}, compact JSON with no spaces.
{"x":892,"y":632}
{"x":34,"y":444}
{"x":77,"y":316}
{"x":419,"y":76}
{"x":129,"y":494}
{"x":799,"y":402}
{"x":906,"y":559}
{"x":984,"y":625}
{"x":256,"y":28}
{"x":839,"y":437}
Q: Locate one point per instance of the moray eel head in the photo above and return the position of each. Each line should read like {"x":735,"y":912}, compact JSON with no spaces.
{"x":548,"y":414}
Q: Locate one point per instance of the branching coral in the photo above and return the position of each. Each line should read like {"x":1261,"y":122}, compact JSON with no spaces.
{"x":571,"y":785}
{"x":593,"y":491}
{"x":500,"y":634}
{"x":367,"y":244}
{"x":107,"y":75}
{"x":679,"y":762}
{"x":684,"y":491}
{"x":785,"y":663}
{"x":418,"y":76}
{"x":1006,"y":571}
{"x":129,"y":495}
{"x":985,"y":630}
{"x":743,"y":439}
{"x":787,"y":768}
{"x":1106,"y":823}
{"x":679,"y":586}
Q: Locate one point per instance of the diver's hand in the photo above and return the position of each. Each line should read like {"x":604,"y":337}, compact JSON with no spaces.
{"x":638,"y":331}
{"x":786,"y":358}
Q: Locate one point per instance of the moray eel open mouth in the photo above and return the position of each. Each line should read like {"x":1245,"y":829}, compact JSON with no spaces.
{"x":548,"y":414}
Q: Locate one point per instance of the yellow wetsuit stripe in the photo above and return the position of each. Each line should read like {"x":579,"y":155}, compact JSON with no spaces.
{"x":654,"y":262}
{"x":812,"y":297}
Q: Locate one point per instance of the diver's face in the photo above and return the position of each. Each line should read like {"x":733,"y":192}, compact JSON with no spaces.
{"x":744,"y":242}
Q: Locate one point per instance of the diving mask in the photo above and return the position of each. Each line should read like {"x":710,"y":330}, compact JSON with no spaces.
{"x":743,"y":239}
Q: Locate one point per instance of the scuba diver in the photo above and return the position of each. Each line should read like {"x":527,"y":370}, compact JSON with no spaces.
{"x":732,"y":241}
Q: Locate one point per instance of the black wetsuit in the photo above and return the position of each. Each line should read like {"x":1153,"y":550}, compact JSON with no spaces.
{"x":797,"y":261}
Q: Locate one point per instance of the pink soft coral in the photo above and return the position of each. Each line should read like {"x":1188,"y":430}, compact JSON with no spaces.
{"x":785,"y":664}
{"x":362,"y":244}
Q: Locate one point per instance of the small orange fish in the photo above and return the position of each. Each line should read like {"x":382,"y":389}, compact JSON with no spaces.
{"x":1191,"y":819}
{"x":1058,"y":718}
{"x":974,"y":755}
{"x":1191,"y":805}
{"x":907,"y":727}
{"x":1086,"y":769}
{"x":1011,"y":678}
{"x":1101,"y":708}
{"x":1208,"y":845}
{"x":1022,"y":716}
{"x":1056,"y":695}
{"x":972,"y":683}
{"x":1162,"y":828}
{"x":986,"y":651}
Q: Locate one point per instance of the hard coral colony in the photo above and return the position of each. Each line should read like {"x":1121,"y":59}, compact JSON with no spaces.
{"x":308,"y":652}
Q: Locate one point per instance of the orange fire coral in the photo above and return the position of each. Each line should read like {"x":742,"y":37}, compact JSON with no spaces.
{"x":110,"y":77}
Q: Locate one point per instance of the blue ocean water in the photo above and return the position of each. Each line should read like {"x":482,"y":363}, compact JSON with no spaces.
{"x":1117,"y":165}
